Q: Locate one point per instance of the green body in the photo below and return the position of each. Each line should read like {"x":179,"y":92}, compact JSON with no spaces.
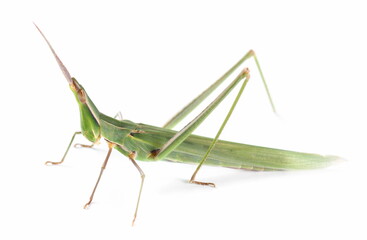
{"x":143,"y":139}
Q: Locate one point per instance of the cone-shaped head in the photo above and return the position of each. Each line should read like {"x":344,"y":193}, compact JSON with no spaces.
{"x":89,"y":114}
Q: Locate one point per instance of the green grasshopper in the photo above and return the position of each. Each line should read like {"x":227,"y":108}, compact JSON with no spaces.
{"x":144,"y":142}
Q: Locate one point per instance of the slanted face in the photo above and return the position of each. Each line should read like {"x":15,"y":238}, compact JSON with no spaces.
{"x":78,"y":90}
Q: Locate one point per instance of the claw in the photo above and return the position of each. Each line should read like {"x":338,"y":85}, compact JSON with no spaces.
{"x":79,"y":145}
{"x":86,"y":206}
{"x":52,"y":163}
{"x":203,"y":183}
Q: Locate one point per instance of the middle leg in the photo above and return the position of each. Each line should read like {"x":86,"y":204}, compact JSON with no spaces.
{"x":110,"y":147}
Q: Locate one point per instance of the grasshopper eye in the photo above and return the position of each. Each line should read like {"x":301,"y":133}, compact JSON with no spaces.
{"x":82,"y":96}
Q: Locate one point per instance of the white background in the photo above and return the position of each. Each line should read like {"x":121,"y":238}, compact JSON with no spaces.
{"x":148,"y":60}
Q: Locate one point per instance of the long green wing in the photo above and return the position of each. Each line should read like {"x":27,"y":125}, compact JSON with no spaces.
{"x":226,"y":154}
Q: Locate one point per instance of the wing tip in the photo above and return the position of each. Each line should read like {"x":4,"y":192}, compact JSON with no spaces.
{"x":327,"y":161}
{"x":335,"y":159}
